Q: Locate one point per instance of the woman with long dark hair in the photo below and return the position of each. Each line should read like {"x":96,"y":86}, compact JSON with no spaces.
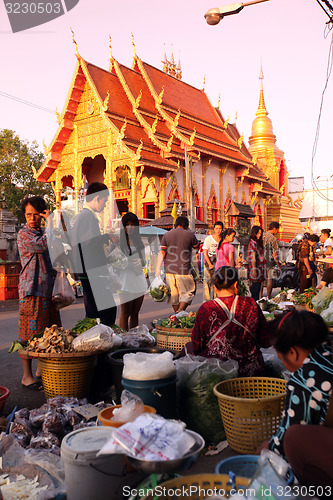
{"x":256,"y":261}
{"x":225,"y":252}
{"x":134,"y":284}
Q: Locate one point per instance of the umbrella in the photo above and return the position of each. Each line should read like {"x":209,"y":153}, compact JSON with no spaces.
{"x":151,"y":231}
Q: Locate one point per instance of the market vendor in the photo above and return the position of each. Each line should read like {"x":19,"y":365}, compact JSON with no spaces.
{"x":301,"y":342}
{"x":231,"y":326}
{"x":326,"y":278}
{"x":36,"y":310}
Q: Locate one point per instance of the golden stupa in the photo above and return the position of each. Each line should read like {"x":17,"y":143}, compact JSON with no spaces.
{"x":263,"y":148}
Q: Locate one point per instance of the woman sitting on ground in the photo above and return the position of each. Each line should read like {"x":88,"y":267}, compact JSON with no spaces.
{"x":231,"y":326}
{"x":301,"y":342}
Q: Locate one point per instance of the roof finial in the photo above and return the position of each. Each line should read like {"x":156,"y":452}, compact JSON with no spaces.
{"x":236,"y":115}
{"x":165,"y":62}
{"x":204,"y":83}
{"x":179,"y":69}
{"x":219,"y":101}
{"x":262,"y":111}
{"x":133,"y":43}
{"x":111,"y":56}
{"x":172,"y":65}
{"x":74,"y":41}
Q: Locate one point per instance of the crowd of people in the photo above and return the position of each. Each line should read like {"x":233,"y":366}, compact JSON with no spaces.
{"x":227,"y":325}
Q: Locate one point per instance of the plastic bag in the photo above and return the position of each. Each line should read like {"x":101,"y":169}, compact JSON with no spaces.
{"x":327,"y":314}
{"x":115,"y":282}
{"x":158,"y":290}
{"x":197,"y":403}
{"x":273,"y":365}
{"x":97,"y":338}
{"x":322,"y":300}
{"x":137,"y":337}
{"x":62,"y":294}
{"x":150,"y":437}
{"x":117,"y":258}
{"x":131,"y":407}
{"x":146,"y":366}
{"x":271,"y":476}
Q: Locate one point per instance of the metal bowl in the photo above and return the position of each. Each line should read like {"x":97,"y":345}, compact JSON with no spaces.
{"x":149,"y":467}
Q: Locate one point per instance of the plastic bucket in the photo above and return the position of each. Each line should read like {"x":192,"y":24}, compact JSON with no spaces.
{"x":106,"y":414}
{"x":158,"y":393}
{"x":115,"y":359}
{"x":89,"y":477}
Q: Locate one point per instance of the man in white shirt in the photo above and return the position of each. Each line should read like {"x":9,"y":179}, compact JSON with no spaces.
{"x":327,"y":241}
{"x":209,"y":251}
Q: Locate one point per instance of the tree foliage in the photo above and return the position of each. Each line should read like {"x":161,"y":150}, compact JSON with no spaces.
{"x":17,"y":159}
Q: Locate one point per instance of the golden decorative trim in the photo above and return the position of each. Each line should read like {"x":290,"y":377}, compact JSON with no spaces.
{"x":240,"y":141}
{"x":158,"y":101}
{"x":138,"y":151}
{"x":225,"y":124}
{"x":154,"y":125}
{"x":106,"y":102}
{"x":76,"y":49}
{"x":139,"y":175}
{"x":137,"y":100}
{"x":191,"y":141}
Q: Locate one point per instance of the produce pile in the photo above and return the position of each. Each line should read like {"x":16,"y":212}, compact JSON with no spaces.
{"x":306,"y":297}
{"x":84,"y":324}
{"x":178,"y":322}
{"x":55,"y":339}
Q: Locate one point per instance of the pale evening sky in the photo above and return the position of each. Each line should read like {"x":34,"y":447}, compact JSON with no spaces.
{"x":287,"y":36}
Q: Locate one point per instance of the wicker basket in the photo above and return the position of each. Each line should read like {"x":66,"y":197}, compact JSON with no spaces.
{"x":251,"y":409}
{"x":196,"y":487}
{"x":67,"y":376}
{"x":172,"y":339}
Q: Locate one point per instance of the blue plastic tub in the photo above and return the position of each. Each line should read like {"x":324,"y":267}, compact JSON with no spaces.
{"x":244,"y":466}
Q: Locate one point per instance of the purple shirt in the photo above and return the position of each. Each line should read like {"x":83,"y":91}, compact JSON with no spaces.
{"x":37,"y":275}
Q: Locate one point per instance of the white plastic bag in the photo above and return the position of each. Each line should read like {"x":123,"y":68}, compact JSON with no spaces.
{"x":146,"y":366}
{"x":150,"y":437}
{"x":131,"y":407}
{"x":158,"y":290}
{"x":97,"y":338}
{"x":62,"y":294}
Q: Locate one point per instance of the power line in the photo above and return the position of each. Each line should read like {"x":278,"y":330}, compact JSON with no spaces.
{"x":315,"y":144}
{"x":22,"y":101}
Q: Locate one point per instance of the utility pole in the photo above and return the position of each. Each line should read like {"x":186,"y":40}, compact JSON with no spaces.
{"x":189,"y":192}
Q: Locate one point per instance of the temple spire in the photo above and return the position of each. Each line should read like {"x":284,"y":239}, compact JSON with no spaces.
{"x":111,"y":56}
{"x":262,"y":111}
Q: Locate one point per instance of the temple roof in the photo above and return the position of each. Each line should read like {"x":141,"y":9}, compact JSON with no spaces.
{"x":155,"y":115}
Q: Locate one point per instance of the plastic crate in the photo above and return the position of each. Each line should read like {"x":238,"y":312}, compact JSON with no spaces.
{"x":9,"y":280}
{"x":10,"y":268}
{"x":8,"y":293}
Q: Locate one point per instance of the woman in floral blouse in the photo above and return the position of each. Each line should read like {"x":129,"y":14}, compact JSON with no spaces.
{"x":301,"y":341}
{"x":256,"y":261}
{"x":36,"y":310}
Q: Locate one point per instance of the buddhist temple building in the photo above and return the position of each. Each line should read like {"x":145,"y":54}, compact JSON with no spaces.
{"x":152,"y":138}
{"x":262,"y":146}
